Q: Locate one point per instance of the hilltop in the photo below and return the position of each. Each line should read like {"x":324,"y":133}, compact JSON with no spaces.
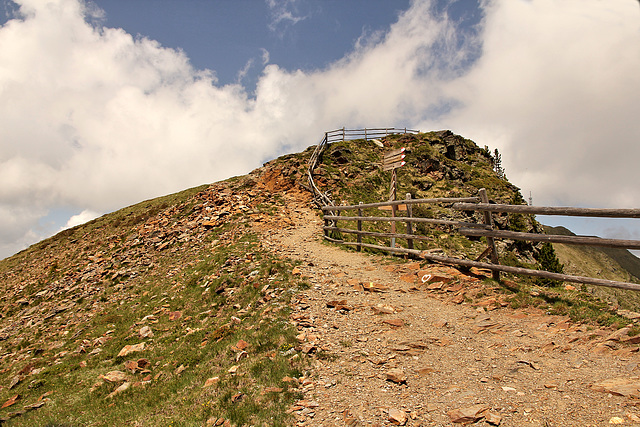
{"x":221,"y":305}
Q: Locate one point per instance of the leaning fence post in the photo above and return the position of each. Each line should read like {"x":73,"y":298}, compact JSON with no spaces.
{"x":326,"y":223}
{"x":409,"y":225}
{"x":490,"y":241}
{"x":359,"y":247}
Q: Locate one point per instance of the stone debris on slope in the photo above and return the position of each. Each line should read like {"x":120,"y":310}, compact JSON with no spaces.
{"x":50,"y":300}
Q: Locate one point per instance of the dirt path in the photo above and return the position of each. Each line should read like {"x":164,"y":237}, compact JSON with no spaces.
{"x":413,"y":353}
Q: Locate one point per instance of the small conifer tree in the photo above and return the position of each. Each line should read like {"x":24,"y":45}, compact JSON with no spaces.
{"x":549,"y":261}
{"x":497,"y":164}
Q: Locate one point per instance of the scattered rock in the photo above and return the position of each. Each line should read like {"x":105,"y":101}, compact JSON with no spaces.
{"x":10,"y":401}
{"x":131,"y":366}
{"x":492,"y":418}
{"x":307,"y":403}
{"x":241,"y":345}
{"x":374,"y":287}
{"x":123,"y":387}
{"x":470,"y":414}
{"x":15,"y":381}
{"x":396,"y":323}
{"x":146,"y":332}
{"x":383,"y":309}
{"x":397,"y":417}
{"x":339,"y":305}
{"x":114,"y":376}
{"x":175,"y":315}
{"x":211,"y":382}
{"x":619,"y":386}
{"x":396,"y":375}
{"x":483,"y":322}
{"x":128,"y":349}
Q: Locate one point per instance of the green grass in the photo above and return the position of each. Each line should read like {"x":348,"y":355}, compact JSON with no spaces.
{"x":201,"y":340}
{"x":199,"y":302}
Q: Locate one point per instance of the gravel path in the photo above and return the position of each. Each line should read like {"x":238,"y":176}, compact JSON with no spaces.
{"x":408,"y":353}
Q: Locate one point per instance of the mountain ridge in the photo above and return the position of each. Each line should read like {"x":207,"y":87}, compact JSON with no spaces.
{"x":189,"y":308}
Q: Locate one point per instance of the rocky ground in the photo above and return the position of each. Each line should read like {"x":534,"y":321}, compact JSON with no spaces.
{"x":402,"y":343}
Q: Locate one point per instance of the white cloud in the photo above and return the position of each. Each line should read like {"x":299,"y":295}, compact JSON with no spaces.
{"x":284,"y":13}
{"x":556,"y":90}
{"x":265,"y":56}
{"x":94,"y":119}
{"x":84,"y":216}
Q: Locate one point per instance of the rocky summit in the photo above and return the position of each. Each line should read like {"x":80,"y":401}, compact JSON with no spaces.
{"x":222,"y":305}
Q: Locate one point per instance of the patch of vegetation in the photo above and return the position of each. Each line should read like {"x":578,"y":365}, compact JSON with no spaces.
{"x":217,"y":307}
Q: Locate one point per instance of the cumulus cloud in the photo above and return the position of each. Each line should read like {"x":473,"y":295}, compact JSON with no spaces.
{"x":93,"y":119}
{"x":556,"y":90}
{"x":84,"y":216}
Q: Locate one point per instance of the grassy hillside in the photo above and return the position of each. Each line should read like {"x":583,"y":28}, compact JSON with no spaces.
{"x":169,"y":312}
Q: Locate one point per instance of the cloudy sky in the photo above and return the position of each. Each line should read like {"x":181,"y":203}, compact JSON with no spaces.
{"x":110,"y":102}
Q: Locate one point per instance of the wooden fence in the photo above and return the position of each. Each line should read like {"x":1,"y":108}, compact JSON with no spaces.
{"x":485,"y":229}
{"x":324,"y":198}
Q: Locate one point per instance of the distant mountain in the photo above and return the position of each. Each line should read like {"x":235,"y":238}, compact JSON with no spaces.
{"x":622,"y":257}
{"x":604,"y":263}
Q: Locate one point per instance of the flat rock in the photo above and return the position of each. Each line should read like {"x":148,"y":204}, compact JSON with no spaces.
{"x":114,"y":376}
{"x":128,"y":349}
{"x":467,"y":415}
{"x":374,"y":287}
{"x":397,"y":417}
{"x":619,"y":386}
{"x":396,"y":375}
{"x":383,"y":309}
{"x":396,"y":323}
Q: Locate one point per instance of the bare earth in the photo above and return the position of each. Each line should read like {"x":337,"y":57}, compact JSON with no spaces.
{"x":408,"y":353}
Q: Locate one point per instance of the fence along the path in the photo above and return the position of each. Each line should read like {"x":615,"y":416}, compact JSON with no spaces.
{"x":486,"y":229}
{"x":344,"y":134}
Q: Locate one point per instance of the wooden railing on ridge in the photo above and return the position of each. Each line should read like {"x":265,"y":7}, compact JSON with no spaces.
{"x":486,"y":229}
{"x":324,"y":198}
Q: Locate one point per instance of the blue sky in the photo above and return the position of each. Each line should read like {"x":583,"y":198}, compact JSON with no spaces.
{"x":226,"y":35}
{"x":107,"y":103}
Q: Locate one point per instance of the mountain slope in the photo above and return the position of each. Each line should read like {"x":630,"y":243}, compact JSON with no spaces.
{"x":157,"y":302}
{"x":187,"y":309}
{"x":606,"y":263}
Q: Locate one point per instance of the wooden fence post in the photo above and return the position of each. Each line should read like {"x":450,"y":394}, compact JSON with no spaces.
{"x":409,"y":225}
{"x":359,"y":247}
{"x":490,"y":241}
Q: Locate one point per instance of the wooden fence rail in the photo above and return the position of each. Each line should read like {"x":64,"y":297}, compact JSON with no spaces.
{"x":485,"y":229}
{"x":366,"y":133}
{"x":324,"y":198}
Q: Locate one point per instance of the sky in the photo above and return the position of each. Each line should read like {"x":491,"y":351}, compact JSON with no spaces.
{"x":107,"y":103}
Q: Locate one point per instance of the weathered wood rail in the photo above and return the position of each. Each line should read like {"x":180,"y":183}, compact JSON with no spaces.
{"x":485,"y":229}
{"x":324,"y":198}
